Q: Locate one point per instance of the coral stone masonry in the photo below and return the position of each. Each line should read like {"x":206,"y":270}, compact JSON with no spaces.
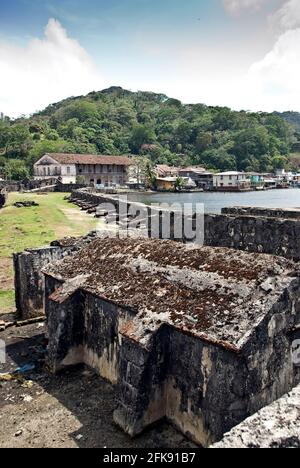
{"x":198,"y":335}
{"x":276,"y":426}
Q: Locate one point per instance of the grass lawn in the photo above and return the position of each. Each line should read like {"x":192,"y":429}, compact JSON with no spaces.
{"x":22,"y":228}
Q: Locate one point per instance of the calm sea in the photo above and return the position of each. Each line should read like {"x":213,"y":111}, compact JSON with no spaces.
{"x":215,"y":201}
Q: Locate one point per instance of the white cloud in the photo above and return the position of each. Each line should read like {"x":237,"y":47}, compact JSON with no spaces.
{"x":46,"y":70}
{"x":287,"y":17}
{"x":275,"y":79}
{"x":234,"y":7}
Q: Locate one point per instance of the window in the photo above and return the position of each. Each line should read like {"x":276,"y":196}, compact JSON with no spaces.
{"x":68,"y":170}
{"x":222,"y":177}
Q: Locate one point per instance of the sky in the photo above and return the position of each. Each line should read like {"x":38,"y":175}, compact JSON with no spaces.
{"x":244,"y":54}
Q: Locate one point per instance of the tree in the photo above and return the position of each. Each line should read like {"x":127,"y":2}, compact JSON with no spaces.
{"x":81,"y":110}
{"x":183,"y":133}
{"x":254,"y":141}
{"x":219,"y":159}
{"x":140,"y":169}
{"x":203,"y":141}
{"x":279,"y":162}
{"x":116,"y":121}
{"x":15,"y":170}
{"x":141,"y":134}
{"x":179,"y":184}
{"x":5,"y":135}
{"x":151,"y":178}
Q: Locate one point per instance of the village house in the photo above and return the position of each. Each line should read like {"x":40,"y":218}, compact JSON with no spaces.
{"x":101,"y":170}
{"x":166,"y":184}
{"x":163,"y":170}
{"x":231,"y":181}
{"x":257,"y":180}
{"x":202,"y":178}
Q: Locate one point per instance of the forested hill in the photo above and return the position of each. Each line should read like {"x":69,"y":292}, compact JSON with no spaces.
{"x":116,"y":121}
{"x":293,"y":118}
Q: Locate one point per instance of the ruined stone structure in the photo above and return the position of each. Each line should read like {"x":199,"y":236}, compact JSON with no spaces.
{"x":200,"y":336}
{"x":276,"y":426}
{"x":269,"y":231}
{"x":259,"y":230}
{"x":29,"y":279}
{"x":3,"y":198}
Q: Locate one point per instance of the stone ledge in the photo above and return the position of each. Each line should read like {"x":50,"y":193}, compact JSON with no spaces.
{"x":276,"y":426}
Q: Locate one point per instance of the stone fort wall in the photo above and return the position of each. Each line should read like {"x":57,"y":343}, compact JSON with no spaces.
{"x":275,"y":232}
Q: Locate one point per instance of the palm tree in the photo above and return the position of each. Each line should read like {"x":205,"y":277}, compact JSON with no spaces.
{"x":151,"y":178}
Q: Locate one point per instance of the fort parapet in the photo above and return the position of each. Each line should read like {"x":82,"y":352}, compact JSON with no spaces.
{"x":275,"y":232}
{"x":29,"y":279}
{"x":275,"y":426}
{"x":262,"y":230}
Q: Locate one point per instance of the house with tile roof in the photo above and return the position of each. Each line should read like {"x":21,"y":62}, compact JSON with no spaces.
{"x":91,"y":169}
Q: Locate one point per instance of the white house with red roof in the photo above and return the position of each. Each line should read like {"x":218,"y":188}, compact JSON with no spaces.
{"x":91,"y":169}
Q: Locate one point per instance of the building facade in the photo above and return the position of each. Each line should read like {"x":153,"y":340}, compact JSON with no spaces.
{"x":202,"y":178}
{"x":104,"y":171}
{"x":163,"y":170}
{"x":231,"y":181}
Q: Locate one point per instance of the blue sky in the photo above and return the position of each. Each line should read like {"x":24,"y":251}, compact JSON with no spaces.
{"x":212,"y":51}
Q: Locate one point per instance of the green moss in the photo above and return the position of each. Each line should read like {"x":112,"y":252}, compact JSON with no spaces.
{"x":7,"y":301}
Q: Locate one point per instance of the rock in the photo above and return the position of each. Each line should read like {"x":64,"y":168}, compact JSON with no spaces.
{"x":268,"y":285}
{"x":3,"y":198}
{"x":25,"y":204}
{"x":27,"y":398}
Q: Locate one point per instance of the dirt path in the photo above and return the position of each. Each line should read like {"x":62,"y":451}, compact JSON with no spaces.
{"x":73,"y":409}
{"x":77,"y":218}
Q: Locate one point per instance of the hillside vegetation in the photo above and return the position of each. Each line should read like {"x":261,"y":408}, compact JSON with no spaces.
{"x":293,"y":118}
{"x":116,"y":121}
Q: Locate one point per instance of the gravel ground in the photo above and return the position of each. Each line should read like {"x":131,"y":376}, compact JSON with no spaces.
{"x":70,"y":410}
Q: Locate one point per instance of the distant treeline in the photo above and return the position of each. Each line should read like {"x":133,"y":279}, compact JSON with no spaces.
{"x":116,"y":121}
